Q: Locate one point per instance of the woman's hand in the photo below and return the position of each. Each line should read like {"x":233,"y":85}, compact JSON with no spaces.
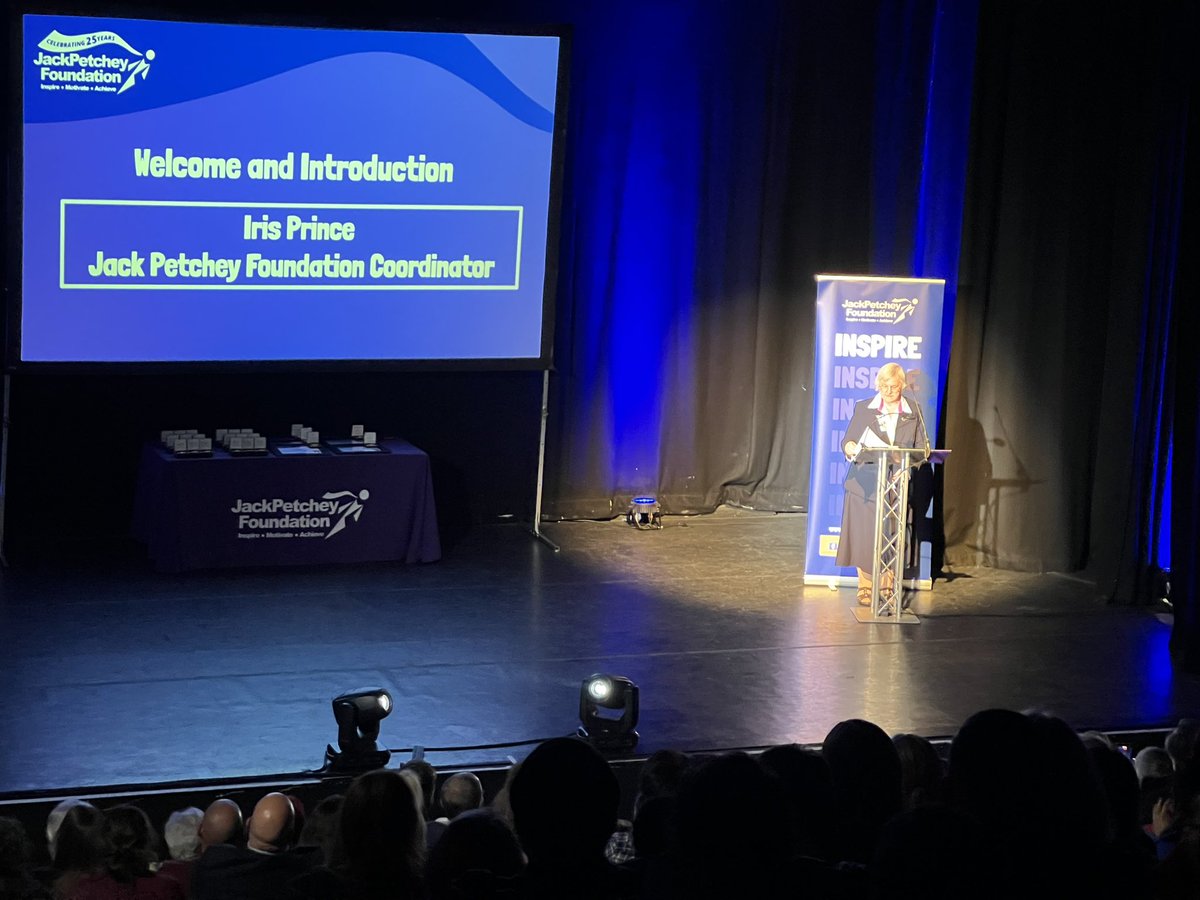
{"x":850,"y":448}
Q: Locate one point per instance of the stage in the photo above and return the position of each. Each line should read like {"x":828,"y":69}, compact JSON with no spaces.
{"x":116,"y":675}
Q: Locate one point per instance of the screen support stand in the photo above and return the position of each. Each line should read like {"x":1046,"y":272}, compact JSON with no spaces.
{"x":541,"y":468}
{"x":4,"y":466}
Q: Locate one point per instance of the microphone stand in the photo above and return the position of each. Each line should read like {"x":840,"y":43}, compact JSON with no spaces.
{"x":924,"y":428}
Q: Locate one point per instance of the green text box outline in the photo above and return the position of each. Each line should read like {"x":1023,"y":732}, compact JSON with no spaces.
{"x":62,"y":246}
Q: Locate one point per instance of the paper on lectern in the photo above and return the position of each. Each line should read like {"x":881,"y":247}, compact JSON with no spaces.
{"x":870,"y":439}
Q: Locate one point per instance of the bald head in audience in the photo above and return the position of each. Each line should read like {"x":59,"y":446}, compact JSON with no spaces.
{"x":272,"y":824}
{"x":222,"y":824}
{"x":461,"y":792}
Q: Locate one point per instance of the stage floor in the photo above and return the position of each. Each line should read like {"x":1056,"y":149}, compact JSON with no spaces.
{"x":113,"y":674}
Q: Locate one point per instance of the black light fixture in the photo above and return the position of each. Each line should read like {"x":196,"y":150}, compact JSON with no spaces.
{"x":608,"y":712}
{"x":358,"y":715}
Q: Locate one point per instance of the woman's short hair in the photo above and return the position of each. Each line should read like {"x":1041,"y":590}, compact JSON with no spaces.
{"x":182,"y":833}
{"x":889,"y":371}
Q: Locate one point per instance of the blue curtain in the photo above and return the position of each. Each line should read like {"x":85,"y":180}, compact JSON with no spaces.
{"x":720,"y":156}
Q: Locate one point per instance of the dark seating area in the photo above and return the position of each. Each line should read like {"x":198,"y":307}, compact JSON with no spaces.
{"x":1017,"y":804}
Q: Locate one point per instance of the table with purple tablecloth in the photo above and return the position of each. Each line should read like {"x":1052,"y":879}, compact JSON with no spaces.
{"x":220,"y":511}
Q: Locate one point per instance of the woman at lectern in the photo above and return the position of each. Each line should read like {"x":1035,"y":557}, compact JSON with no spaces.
{"x":887,"y":419}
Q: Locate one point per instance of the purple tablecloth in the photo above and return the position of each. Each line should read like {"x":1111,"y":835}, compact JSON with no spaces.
{"x":222,"y":511}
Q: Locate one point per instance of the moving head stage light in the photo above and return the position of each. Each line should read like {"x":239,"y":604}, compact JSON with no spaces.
{"x":358,"y":715}
{"x":608,"y":712}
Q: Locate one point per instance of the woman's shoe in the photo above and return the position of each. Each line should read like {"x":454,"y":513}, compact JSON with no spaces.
{"x":864,"y":596}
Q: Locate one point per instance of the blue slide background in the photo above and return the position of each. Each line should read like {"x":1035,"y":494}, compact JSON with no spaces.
{"x":484,"y":104}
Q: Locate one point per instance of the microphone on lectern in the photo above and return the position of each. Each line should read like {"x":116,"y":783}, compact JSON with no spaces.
{"x":912,"y":399}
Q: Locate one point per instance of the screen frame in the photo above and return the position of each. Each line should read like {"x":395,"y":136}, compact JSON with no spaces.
{"x":15,"y":176}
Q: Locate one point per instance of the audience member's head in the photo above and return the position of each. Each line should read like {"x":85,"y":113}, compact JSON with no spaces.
{"x":222,"y":824}
{"x":381,"y":833}
{"x":299,"y":816}
{"x":932,"y":852}
{"x":1176,"y":876}
{"x":182,"y":833}
{"x":477,"y":858}
{"x":426,"y":776}
{"x":1071,"y":791}
{"x":501,"y":803}
{"x":1119,"y":780}
{"x":993,"y":768}
{"x":16,"y":854}
{"x":320,"y":829}
{"x":1093,"y":738}
{"x":734,"y":830}
{"x":660,"y":776}
{"x":1129,"y":854}
{"x":132,"y":841}
{"x":564,"y":803}
{"x":461,"y":792}
{"x":865,"y":769}
{"x":1153,"y":762}
{"x":54,"y":822}
{"x":807,"y":786}
{"x":921,"y":770}
{"x":82,"y":845}
{"x":1185,"y":794}
{"x":272,"y":825}
{"x":654,"y":805}
{"x":1029,"y":782}
{"x":1181,"y":743}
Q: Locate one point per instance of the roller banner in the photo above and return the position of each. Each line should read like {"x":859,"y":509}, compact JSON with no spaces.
{"x":864,"y":322}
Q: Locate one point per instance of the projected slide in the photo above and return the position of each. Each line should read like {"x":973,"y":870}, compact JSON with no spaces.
{"x":201,"y":192}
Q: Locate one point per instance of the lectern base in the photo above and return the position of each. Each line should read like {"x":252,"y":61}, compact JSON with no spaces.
{"x":864,"y":615}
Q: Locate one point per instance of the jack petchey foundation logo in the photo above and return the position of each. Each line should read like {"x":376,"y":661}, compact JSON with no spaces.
{"x":99,"y":61}
{"x":316,"y":517}
{"x":880,"y":312}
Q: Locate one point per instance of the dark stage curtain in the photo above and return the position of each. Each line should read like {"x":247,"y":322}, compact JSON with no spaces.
{"x":1059,"y":398}
{"x":1185,"y":380}
{"x":721,"y":154}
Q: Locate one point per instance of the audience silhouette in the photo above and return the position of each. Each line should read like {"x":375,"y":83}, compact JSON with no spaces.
{"x":1022,"y":806}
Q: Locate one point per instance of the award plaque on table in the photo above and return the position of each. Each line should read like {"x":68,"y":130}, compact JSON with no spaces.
{"x":360,"y":441}
{"x":293,"y":447}
{"x":347,"y":447}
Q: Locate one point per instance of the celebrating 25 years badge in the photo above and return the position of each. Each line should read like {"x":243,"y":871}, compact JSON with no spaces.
{"x":72,"y":62}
